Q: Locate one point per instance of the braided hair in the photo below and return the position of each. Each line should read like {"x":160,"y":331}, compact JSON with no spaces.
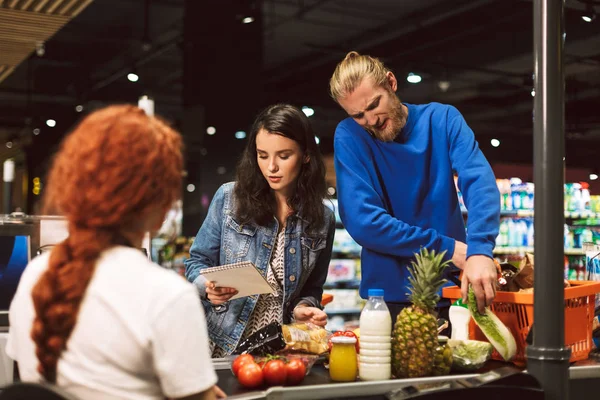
{"x":115,"y":172}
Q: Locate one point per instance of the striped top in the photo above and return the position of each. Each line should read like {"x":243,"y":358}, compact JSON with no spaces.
{"x":269,"y":307}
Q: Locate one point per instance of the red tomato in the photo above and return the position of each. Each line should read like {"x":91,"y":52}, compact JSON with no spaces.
{"x":275,"y":373}
{"x":250,"y":375}
{"x":295,"y":371}
{"x":239,"y":361}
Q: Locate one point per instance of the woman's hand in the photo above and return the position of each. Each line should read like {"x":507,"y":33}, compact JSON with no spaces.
{"x":313,"y":315}
{"x":218,"y":295}
{"x":219,"y":393}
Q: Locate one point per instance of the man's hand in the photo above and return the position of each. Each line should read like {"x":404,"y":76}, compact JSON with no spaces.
{"x":480,"y":271}
{"x":218,"y":295}
{"x":313,"y":315}
{"x":459,"y":258}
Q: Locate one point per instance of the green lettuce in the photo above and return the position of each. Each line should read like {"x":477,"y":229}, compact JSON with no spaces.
{"x":494,"y":330}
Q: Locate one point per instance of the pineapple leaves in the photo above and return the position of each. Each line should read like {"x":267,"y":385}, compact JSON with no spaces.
{"x":425,"y":278}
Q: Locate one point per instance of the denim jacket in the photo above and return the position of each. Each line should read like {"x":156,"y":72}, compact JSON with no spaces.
{"x":222,"y":240}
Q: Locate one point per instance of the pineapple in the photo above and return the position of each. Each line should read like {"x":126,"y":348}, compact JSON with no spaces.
{"x":442,"y":361}
{"x":415,"y":336}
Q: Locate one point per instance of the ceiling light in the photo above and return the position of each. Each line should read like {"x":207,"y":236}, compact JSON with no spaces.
{"x":191,"y":187}
{"x":495,"y":142}
{"x":444,"y":85}
{"x":240,"y":135}
{"x":211,"y":130}
{"x":589,"y":15}
{"x":36,"y":131}
{"x":51,"y":123}
{"x":9,"y":144}
{"x":133,"y":77}
{"x":413,"y":78}
{"x":248,"y":20}
{"x":317,"y":140}
{"x":532,"y":92}
{"x":309,"y":112}
{"x":331,"y":190}
{"x":79,"y":108}
{"x":593,"y":177}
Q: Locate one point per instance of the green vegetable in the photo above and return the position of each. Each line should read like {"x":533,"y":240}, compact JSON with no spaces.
{"x":493,"y":329}
{"x":469,"y":355}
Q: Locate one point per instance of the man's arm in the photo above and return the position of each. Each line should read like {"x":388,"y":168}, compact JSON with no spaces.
{"x":364,"y":214}
{"x":477,"y":183}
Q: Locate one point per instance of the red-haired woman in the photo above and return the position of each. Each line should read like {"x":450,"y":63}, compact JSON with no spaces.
{"x":95,"y":316}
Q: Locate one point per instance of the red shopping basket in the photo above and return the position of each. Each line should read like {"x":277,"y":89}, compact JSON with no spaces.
{"x":515,"y":310}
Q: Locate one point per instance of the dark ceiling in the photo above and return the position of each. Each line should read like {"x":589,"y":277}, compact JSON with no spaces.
{"x":482,"y":48}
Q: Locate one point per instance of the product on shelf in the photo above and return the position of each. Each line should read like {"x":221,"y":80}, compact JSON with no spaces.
{"x":344,"y":244}
{"x":342,"y":270}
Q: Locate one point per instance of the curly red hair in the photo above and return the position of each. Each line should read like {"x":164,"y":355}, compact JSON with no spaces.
{"x":118,"y":168}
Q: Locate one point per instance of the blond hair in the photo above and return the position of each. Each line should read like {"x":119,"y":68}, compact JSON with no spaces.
{"x":350,"y":72}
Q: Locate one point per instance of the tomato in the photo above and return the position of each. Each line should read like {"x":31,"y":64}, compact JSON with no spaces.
{"x":275,"y":373}
{"x":239,"y":361}
{"x":295,"y":371}
{"x":250,"y":375}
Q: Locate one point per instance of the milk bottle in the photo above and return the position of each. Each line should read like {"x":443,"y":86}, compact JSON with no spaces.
{"x":375,"y":339}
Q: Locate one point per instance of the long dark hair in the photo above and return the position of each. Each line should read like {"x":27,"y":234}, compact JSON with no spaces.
{"x":254,"y":197}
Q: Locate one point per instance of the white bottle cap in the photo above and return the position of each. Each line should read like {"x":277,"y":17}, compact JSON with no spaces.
{"x":343,"y":340}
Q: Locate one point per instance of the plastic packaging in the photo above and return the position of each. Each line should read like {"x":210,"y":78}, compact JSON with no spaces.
{"x":375,"y":339}
{"x":273,"y":338}
{"x":469,"y":355}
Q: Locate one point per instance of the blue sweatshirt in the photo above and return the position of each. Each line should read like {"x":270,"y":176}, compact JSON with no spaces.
{"x":397,"y":197}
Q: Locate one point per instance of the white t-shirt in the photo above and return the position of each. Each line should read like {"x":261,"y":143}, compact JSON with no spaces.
{"x":140,"y":334}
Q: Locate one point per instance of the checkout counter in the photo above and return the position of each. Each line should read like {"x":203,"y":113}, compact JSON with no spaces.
{"x":494,"y":380}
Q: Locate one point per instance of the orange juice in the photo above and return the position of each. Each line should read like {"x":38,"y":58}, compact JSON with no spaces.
{"x":342,"y":360}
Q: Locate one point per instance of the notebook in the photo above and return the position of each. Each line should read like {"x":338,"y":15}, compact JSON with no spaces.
{"x":243,"y":276}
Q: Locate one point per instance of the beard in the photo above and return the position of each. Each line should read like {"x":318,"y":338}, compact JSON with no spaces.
{"x":394,"y":124}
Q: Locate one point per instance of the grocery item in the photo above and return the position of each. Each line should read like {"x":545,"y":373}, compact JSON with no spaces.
{"x":345,"y":333}
{"x":342,"y":359}
{"x":414,"y":338}
{"x":274,"y":338}
{"x":493,"y":329}
{"x":459,"y":318}
{"x":306,"y":337}
{"x":442,"y":362}
{"x":271,"y":370}
{"x":469,"y":355}
{"x":375,"y":340}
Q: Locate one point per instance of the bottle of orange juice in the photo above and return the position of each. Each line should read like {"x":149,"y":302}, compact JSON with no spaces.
{"x":343,"y":366}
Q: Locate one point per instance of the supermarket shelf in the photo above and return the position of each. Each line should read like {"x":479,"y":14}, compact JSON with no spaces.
{"x":345,"y":254}
{"x":343,"y":284}
{"x":343,"y":311}
{"x":521,"y":250}
{"x":529,"y":213}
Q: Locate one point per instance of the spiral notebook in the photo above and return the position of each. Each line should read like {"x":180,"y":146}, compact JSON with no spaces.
{"x":243,"y":276}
